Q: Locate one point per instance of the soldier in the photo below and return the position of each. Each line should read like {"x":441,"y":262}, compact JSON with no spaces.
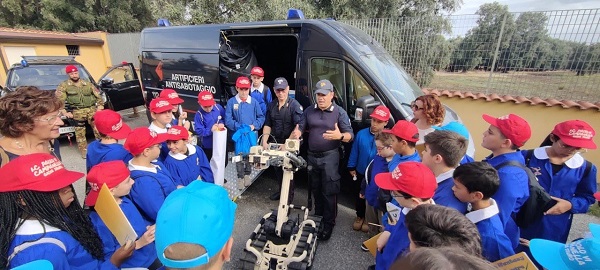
{"x":84,"y":99}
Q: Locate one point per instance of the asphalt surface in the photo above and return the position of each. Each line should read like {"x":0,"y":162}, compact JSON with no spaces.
{"x":342,"y":251}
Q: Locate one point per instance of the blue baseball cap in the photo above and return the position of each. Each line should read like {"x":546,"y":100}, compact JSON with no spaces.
{"x":200,"y":213}
{"x":581,"y":254}
{"x":455,"y":127}
{"x":323,"y":87}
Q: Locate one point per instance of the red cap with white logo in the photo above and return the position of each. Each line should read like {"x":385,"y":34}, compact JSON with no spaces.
{"x":412,"y":178}
{"x":160,"y":105}
{"x":110,"y":123}
{"x":576,"y":133}
{"x":141,"y":138}
{"x":37,"y":172}
{"x":512,"y":126}
{"x":242,"y":82}
{"x":171,"y":96}
{"x":70,"y":68}
{"x":176,"y":133}
{"x":257,"y":71}
{"x":111,"y":173}
{"x":205,"y":98}
{"x":381,"y":113}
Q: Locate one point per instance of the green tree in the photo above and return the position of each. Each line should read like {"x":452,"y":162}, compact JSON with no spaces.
{"x":20,"y":13}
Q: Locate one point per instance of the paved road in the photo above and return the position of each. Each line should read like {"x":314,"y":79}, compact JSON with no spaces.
{"x":341,"y":252}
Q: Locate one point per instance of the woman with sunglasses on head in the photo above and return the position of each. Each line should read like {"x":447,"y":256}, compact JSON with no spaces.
{"x":565,"y":175}
{"x":29,"y":123}
{"x":428,"y":111}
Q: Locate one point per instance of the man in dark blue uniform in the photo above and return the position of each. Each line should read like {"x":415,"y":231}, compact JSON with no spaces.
{"x":328,"y":125}
{"x":283,"y":114}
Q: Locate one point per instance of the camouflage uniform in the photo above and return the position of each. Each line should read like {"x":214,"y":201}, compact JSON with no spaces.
{"x":83,"y":98}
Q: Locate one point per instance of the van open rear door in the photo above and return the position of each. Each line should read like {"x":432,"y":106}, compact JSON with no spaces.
{"x":122,"y":87}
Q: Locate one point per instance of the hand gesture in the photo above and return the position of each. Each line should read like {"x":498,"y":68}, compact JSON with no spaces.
{"x":183,"y":115}
{"x":382,"y":240}
{"x":560,"y":207}
{"x":296,"y":134}
{"x":122,"y":254}
{"x":147,"y":237}
{"x":68,"y":114}
{"x":332,"y":135}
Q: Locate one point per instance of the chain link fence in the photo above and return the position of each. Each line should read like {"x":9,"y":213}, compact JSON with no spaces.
{"x":554,"y":54}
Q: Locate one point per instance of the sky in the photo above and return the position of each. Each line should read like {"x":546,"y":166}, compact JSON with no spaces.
{"x":471,"y":6}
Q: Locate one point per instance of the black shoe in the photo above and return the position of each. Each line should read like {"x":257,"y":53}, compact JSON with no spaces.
{"x":372,"y":267}
{"x":325,"y":234}
{"x":364,"y":248}
{"x":274,"y":196}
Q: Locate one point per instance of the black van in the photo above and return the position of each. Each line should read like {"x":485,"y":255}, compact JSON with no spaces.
{"x":198,"y":58}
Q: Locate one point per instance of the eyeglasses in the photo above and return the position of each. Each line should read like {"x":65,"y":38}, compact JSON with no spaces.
{"x":379,"y":148}
{"x":398,"y":195}
{"x":158,"y":145}
{"x":51,"y":119}
{"x":563,"y":145}
{"x":415,"y":107}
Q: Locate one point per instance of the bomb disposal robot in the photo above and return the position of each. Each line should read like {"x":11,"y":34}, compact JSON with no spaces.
{"x":287,"y":237}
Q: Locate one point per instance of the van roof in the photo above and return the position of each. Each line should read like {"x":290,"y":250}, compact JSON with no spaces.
{"x":205,"y":36}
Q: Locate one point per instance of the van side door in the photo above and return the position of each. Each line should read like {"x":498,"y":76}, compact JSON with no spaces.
{"x":122,"y":87}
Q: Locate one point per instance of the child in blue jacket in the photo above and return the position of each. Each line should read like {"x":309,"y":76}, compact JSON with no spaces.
{"x":116,"y":177}
{"x":209,"y":118}
{"x":41,"y":218}
{"x":504,"y":137}
{"x":443,"y":151}
{"x":476,"y":183}
{"x":258,"y":90}
{"x":186,"y":162}
{"x":242,"y":109}
{"x":111,"y":127}
{"x":569,"y":178}
{"x":153,"y":182}
{"x":411,"y":184}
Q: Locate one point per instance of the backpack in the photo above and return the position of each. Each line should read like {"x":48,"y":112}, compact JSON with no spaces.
{"x":539,"y":200}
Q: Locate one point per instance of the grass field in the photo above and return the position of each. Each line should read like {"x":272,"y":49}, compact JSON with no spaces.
{"x":550,"y":84}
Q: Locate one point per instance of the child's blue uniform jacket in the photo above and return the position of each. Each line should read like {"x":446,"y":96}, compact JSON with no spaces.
{"x":363,"y":151}
{"x":142,"y":257}
{"x":466,"y":159}
{"x":73,"y":256}
{"x":568,"y":184}
{"x":185,"y":169}
{"x":397,"y":159}
{"x":151,"y":187}
{"x":396,"y":245}
{"x":368,"y":187}
{"x":512,"y":193}
{"x":494,"y":242}
{"x":240,"y":113}
{"x":259,"y":95}
{"x":445,"y":196}
{"x":98,"y":152}
{"x":203,"y":122}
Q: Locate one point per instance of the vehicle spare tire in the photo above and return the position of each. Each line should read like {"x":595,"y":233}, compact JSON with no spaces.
{"x":236,"y":58}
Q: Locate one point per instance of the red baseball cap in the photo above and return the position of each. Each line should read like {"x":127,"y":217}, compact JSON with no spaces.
{"x":110,"y":123}
{"x":405,"y":130}
{"x":576,"y":133}
{"x":512,"y":126}
{"x":111,"y":172}
{"x":176,"y":133}
{"x":242,"y":82}
{"x":160,"y":105}
{"x":171,"y":96}
{"x":38,"y":172}
{"x":142,"y":138}
{"x":205,"y":98}
{"x":70,"y":68}
{"x":381,"y":113}
{"x":413,"y":178}
{"x":124,"y":63}
{"x":257,"y":71}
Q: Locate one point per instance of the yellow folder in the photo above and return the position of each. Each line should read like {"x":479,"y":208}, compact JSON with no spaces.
{"x":109,"y":211}
{"x":517,"y":261}
{"x":371,"y":244}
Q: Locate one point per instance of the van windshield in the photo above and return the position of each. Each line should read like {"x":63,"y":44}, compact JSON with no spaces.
{"x":44,"y":77}
{"x":393,"y":77}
